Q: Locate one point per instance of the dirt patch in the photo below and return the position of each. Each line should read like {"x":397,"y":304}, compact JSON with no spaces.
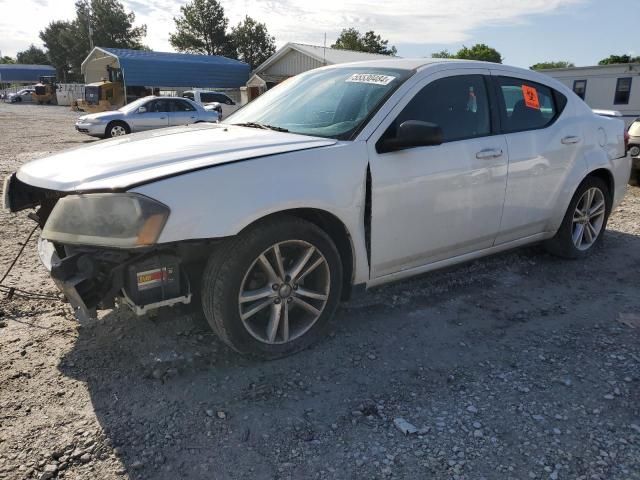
{"x":517,"y":366}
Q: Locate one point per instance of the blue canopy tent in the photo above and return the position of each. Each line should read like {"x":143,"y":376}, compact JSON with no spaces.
{"x":162,"y":69}
{"x":22,"y":73}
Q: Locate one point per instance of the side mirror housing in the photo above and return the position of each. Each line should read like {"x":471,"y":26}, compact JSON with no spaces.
{"x":142,"y":110}
{"x":411,"y":134}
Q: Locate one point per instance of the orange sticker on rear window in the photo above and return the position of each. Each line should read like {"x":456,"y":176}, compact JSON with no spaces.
{"x":530,"y":97}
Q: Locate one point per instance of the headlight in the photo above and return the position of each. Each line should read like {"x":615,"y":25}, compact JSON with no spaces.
{"x":122,"y":220}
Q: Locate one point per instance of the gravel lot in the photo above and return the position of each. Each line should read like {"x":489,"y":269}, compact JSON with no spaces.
{"x":514,"y":367}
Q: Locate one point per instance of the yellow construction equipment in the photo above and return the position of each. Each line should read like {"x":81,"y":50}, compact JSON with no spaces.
{"x":45,"y":90}
{"x":100,"y":97}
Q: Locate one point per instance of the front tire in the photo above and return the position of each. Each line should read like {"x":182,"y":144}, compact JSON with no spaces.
{"x":117,"y":129}
{"x":272,"y":290}
{"x":585,"y":221}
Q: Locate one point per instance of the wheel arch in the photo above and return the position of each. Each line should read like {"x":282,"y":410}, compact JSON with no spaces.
{"x":112,"y":122}
{"x":606,"y":176}
{"x":337,"y":231}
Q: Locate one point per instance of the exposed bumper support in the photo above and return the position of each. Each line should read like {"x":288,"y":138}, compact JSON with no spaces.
{"x":92,"y":280}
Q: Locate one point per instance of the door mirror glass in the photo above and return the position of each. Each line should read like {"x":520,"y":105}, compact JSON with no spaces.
{"x":411,"y":134}
{"x":142,"y":110}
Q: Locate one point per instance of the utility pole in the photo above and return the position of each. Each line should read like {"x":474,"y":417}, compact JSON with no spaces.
{"x":324,"y":59}
{"x":88,"y":5}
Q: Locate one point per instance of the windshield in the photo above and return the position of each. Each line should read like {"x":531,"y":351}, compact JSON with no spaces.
{"x":331,"y":103}
{"x":130,"y":107}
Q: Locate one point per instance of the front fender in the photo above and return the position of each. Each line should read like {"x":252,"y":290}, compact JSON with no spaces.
{"x":221,"y":201}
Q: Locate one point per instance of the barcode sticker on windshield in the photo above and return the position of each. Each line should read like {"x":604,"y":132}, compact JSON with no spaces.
{"x":372,"y":78}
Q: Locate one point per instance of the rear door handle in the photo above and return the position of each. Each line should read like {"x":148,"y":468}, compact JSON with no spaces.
{"x":570,"y":140}
{"x":489,"y":154}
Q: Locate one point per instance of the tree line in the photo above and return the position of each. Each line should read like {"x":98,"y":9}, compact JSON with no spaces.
{"x":203,"y":27}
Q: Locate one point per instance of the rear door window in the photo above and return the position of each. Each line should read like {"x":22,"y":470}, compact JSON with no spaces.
{"x":182,"y":106}
{"x":526,"y":105}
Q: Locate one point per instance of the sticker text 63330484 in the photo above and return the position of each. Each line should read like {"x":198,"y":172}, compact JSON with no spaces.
{"x":372,"y":78}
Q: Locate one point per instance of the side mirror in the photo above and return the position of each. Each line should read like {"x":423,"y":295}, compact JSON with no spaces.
{"x":411,"y":134}
{"x":142,"y":110}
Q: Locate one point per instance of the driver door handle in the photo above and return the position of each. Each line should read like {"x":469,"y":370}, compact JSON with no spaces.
{"x":489,"y":153}
{"x":163,"y":118}
{"x":570,"y":140}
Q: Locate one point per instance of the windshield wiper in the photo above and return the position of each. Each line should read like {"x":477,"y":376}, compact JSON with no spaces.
{"x":263,"y":126}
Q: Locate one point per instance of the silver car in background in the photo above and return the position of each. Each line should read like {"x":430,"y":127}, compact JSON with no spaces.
{"x":23,"y":95}
{"x":143,"y":114}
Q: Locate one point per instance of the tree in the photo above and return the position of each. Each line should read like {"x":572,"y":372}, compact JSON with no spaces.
{"x":32,"y":56}
{"x":352,"y":39}
{"x":614,"y":59}
{"x":6,"y":59}
{"x":479,"y":51}
{"x":202,"y":28}
{"x":111,"y":25}
{"x":252,"y":42}
{"x":58,"y":38}
{"x":443,"y":54}
{"x":68,"y":43}
{"x":557,"y":64}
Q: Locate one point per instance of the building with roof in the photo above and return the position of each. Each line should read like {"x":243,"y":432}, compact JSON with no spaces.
{"x":604,"y":87}
{"x":142,"y":68}
{"x":22,"y":73}
{"x":295,"y":58}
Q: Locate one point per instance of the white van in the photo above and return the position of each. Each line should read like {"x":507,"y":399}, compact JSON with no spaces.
{"x":218,"y":101}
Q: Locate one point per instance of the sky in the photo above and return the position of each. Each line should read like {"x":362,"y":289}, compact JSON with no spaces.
{"x":523,"y":31}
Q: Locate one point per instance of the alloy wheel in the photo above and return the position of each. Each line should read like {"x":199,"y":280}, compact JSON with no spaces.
{"x":118,"y":130}
{"x":588,"y":219}
{"x":284,"y":292}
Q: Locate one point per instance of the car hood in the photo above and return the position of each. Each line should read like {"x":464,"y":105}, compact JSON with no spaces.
{"x":101,"y":115}
{"x":131,"y":160}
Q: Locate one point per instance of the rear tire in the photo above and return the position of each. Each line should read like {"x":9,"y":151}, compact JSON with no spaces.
{"x":116,"y":129}
{"x":584,"y":222}
{"x":273,"y":309}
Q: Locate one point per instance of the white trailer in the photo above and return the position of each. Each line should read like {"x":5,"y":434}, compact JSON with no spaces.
{"x":67,"y":93}
{"x":605,"y":87}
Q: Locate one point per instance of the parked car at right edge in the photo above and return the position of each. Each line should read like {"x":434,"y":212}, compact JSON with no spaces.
{"x":346,"y":176}
{"x":634,"y":149}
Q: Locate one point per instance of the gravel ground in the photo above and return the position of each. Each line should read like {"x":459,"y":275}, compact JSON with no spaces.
{"x":513,"y":367}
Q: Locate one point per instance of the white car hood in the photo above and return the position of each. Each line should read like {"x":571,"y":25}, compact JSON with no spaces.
{"x":134,"y":159}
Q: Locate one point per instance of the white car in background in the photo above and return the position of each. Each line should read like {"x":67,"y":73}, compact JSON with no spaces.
{"x":210,"y":100}
{"x":345,"y":176}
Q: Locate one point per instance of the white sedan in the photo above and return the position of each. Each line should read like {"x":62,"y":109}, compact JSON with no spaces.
{"x":343,"y":177}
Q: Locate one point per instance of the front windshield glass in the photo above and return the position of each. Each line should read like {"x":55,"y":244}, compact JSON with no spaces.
{"x":331,"y":103}
{"x":130,"y":107}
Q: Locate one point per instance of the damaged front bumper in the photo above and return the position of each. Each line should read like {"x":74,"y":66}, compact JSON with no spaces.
{"x":94,"y":279}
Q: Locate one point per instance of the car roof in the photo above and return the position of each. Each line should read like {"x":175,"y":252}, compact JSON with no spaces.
{"x":424,"y":63}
